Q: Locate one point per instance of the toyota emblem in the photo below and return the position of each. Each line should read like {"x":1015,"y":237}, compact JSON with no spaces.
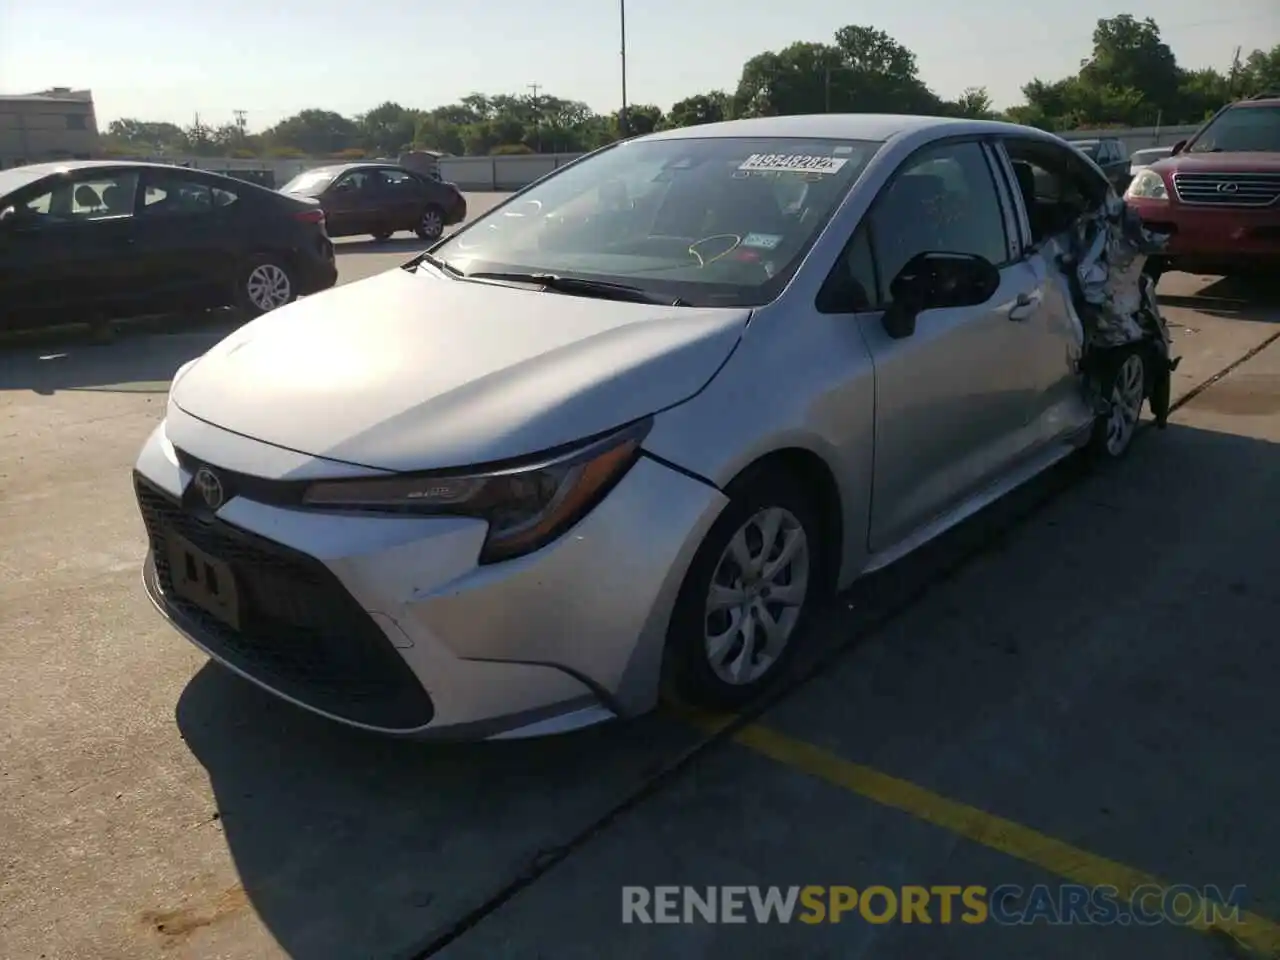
{"x":209,"y":487}
{"x":1228,"y":187}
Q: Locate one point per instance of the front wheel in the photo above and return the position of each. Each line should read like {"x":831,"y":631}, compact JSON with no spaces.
{"x":431,"y":224}
{"x":265,"y":283}
{"x":1123,"y":381}
{"x":748,"y":596}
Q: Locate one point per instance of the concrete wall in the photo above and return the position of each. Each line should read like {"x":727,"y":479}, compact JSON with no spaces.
{"x":512,"y":173}
{"x":54,"y":125}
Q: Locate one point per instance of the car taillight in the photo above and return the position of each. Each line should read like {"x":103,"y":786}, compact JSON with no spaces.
{"x":310,"y":216}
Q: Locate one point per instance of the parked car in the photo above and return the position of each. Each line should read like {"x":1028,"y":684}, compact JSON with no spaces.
{"x":99,"y":240}
{"x":631,"y":426}
{"x":379,"y":199}
{"x":1109,"y":154}
{"x":1141,"y":159}
{"x":1218,"y":193}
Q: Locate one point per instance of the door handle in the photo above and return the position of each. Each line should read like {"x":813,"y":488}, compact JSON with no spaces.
{"x":1024,"y":306}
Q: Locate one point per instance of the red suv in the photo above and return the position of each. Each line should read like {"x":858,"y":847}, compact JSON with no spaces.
{"x":1218,"y":194}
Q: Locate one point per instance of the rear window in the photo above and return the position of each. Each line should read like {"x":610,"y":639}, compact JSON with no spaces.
{"x":309,"y":183}
{"x":1241,"y":129}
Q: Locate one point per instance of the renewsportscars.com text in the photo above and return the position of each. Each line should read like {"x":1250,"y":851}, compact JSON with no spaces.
{"x":1007,"y":904}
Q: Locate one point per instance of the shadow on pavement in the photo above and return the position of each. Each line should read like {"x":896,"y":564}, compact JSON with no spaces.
{"x":1233,"y":298}
{"x":142,"y":358}
{"x":1104,"y":673}
{"x":353,"y":845}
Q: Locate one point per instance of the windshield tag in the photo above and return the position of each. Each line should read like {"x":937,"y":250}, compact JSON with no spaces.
{"x":761,"y":241}
{"x":785,"y":163}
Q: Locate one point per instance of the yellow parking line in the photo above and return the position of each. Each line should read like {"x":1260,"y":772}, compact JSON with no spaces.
{"x":1078,"y":866}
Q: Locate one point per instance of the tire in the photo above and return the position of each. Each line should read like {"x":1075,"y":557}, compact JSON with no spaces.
{"x":705,"y":662}
{"x":264,"y":284}
{"x":431,"y":223}
{"x":382,"y":236}
{"x":1124,"y":379}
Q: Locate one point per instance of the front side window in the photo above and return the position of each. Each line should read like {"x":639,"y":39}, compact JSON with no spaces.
{"x":309,"y":184}
{"x":943,"y":200}
{"x":395,"y":178}
{"x":717,"y":221}
{"x":77,"y":201}
{"x":1242,"y":129}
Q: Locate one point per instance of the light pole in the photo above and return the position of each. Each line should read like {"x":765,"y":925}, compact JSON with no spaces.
{"x":622,"y":24}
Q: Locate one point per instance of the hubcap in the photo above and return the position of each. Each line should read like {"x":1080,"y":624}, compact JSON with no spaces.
{"x":757,"y":592}
{"x":432,"y":224}
{"x":1126,"y":404}
{"x":268,"y":287}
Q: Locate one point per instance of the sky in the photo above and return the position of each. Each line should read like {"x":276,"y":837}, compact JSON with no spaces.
{"x":173,"y":59}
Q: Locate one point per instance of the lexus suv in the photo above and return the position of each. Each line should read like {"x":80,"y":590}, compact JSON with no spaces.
{"x":1218,"y":194}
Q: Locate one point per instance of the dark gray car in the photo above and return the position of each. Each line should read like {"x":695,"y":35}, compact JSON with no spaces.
{"x":1110,"y":154}
{"x":380,"y":199}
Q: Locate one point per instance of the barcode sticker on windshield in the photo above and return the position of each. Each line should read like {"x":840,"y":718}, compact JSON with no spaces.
{"x":798,"y":163}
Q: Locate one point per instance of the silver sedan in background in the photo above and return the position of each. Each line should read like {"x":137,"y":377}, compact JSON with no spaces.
{"x":628,"y":429}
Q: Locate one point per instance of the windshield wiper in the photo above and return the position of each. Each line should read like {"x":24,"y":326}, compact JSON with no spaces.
{"x":582,"y":287}
{"x":435,"y":262}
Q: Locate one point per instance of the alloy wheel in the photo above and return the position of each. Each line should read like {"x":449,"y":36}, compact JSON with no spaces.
{"x":432,"y":223}
{"x":757,"y":594}
{"x":1127,"y":394}
{"x":268,"y":287}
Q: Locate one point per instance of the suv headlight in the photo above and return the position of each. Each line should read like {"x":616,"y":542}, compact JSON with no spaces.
{"x":527,"y":505}
{"x":1147,"y":185}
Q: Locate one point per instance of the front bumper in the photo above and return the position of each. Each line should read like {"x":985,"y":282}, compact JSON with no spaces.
{"x":1213,"y":237}
{"x":387,"y":623}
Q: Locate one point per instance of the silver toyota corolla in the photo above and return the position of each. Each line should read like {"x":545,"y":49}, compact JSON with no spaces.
{"x":628,"y":428}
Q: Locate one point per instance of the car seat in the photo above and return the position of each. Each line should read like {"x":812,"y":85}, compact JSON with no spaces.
{"x":117,"y":200}
{"x":87,"y":198}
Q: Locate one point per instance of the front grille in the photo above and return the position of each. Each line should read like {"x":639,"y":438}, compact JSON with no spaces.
{"x":1228,"y":189}
{"x":301,"y":633}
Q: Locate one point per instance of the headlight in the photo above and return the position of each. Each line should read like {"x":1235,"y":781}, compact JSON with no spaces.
{"x":527,"y":505}
{"x":1147,"y":185}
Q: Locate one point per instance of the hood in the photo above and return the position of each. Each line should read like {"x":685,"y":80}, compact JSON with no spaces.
{"x":1253,"y":162}
{"x":417,"y":371}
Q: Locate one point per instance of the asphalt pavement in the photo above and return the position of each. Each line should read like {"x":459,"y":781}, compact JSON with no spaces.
{"x":1078,"y":686}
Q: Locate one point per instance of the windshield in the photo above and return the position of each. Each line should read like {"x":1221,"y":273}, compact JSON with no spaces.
{"x":718,"y":221}
{"x":1241,"y":130}
{"x":309,"y":183}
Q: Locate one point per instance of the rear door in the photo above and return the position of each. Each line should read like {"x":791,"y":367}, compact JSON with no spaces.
{"x":402,"y":196}
{"x":187,"y":239}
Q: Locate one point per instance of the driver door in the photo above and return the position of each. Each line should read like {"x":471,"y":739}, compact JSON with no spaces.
{"x":952,"y":398}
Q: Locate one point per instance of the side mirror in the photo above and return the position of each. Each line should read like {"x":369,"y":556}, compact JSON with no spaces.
{"x":1178,"y":148}
{"x":934,"y":281}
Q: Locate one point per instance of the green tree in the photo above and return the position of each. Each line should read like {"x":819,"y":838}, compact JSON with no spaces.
{"x":388,"y":129}
{"x":1261,"y":72}
{"x":314,"y":132}
{"x":700,"y":108}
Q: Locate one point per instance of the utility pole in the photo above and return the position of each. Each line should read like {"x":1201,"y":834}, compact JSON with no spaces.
{"x":1235,"y":70}
{"x":241,"y":123}
{"x":537,"y":114}
{"x":622,"y":23}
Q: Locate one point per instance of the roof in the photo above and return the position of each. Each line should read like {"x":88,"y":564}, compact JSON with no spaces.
{"x":836,"y":126}
{"x":17,"y":177}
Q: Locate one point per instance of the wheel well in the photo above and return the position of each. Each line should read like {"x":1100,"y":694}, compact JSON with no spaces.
{"x":815,"y":476}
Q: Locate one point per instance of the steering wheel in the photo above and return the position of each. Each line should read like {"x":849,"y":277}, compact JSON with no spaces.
{"x":704,"y":261}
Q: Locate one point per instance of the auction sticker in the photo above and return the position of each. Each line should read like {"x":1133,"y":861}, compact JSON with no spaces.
{"x":791,"y":162}
{"x":761,"y":241}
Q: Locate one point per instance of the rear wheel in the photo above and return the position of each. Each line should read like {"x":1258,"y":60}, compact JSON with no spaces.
{"x":748,"y":595}
{"x":431,"y":224}
{"x":1124,"y":384}
{"x":265,"y":283}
